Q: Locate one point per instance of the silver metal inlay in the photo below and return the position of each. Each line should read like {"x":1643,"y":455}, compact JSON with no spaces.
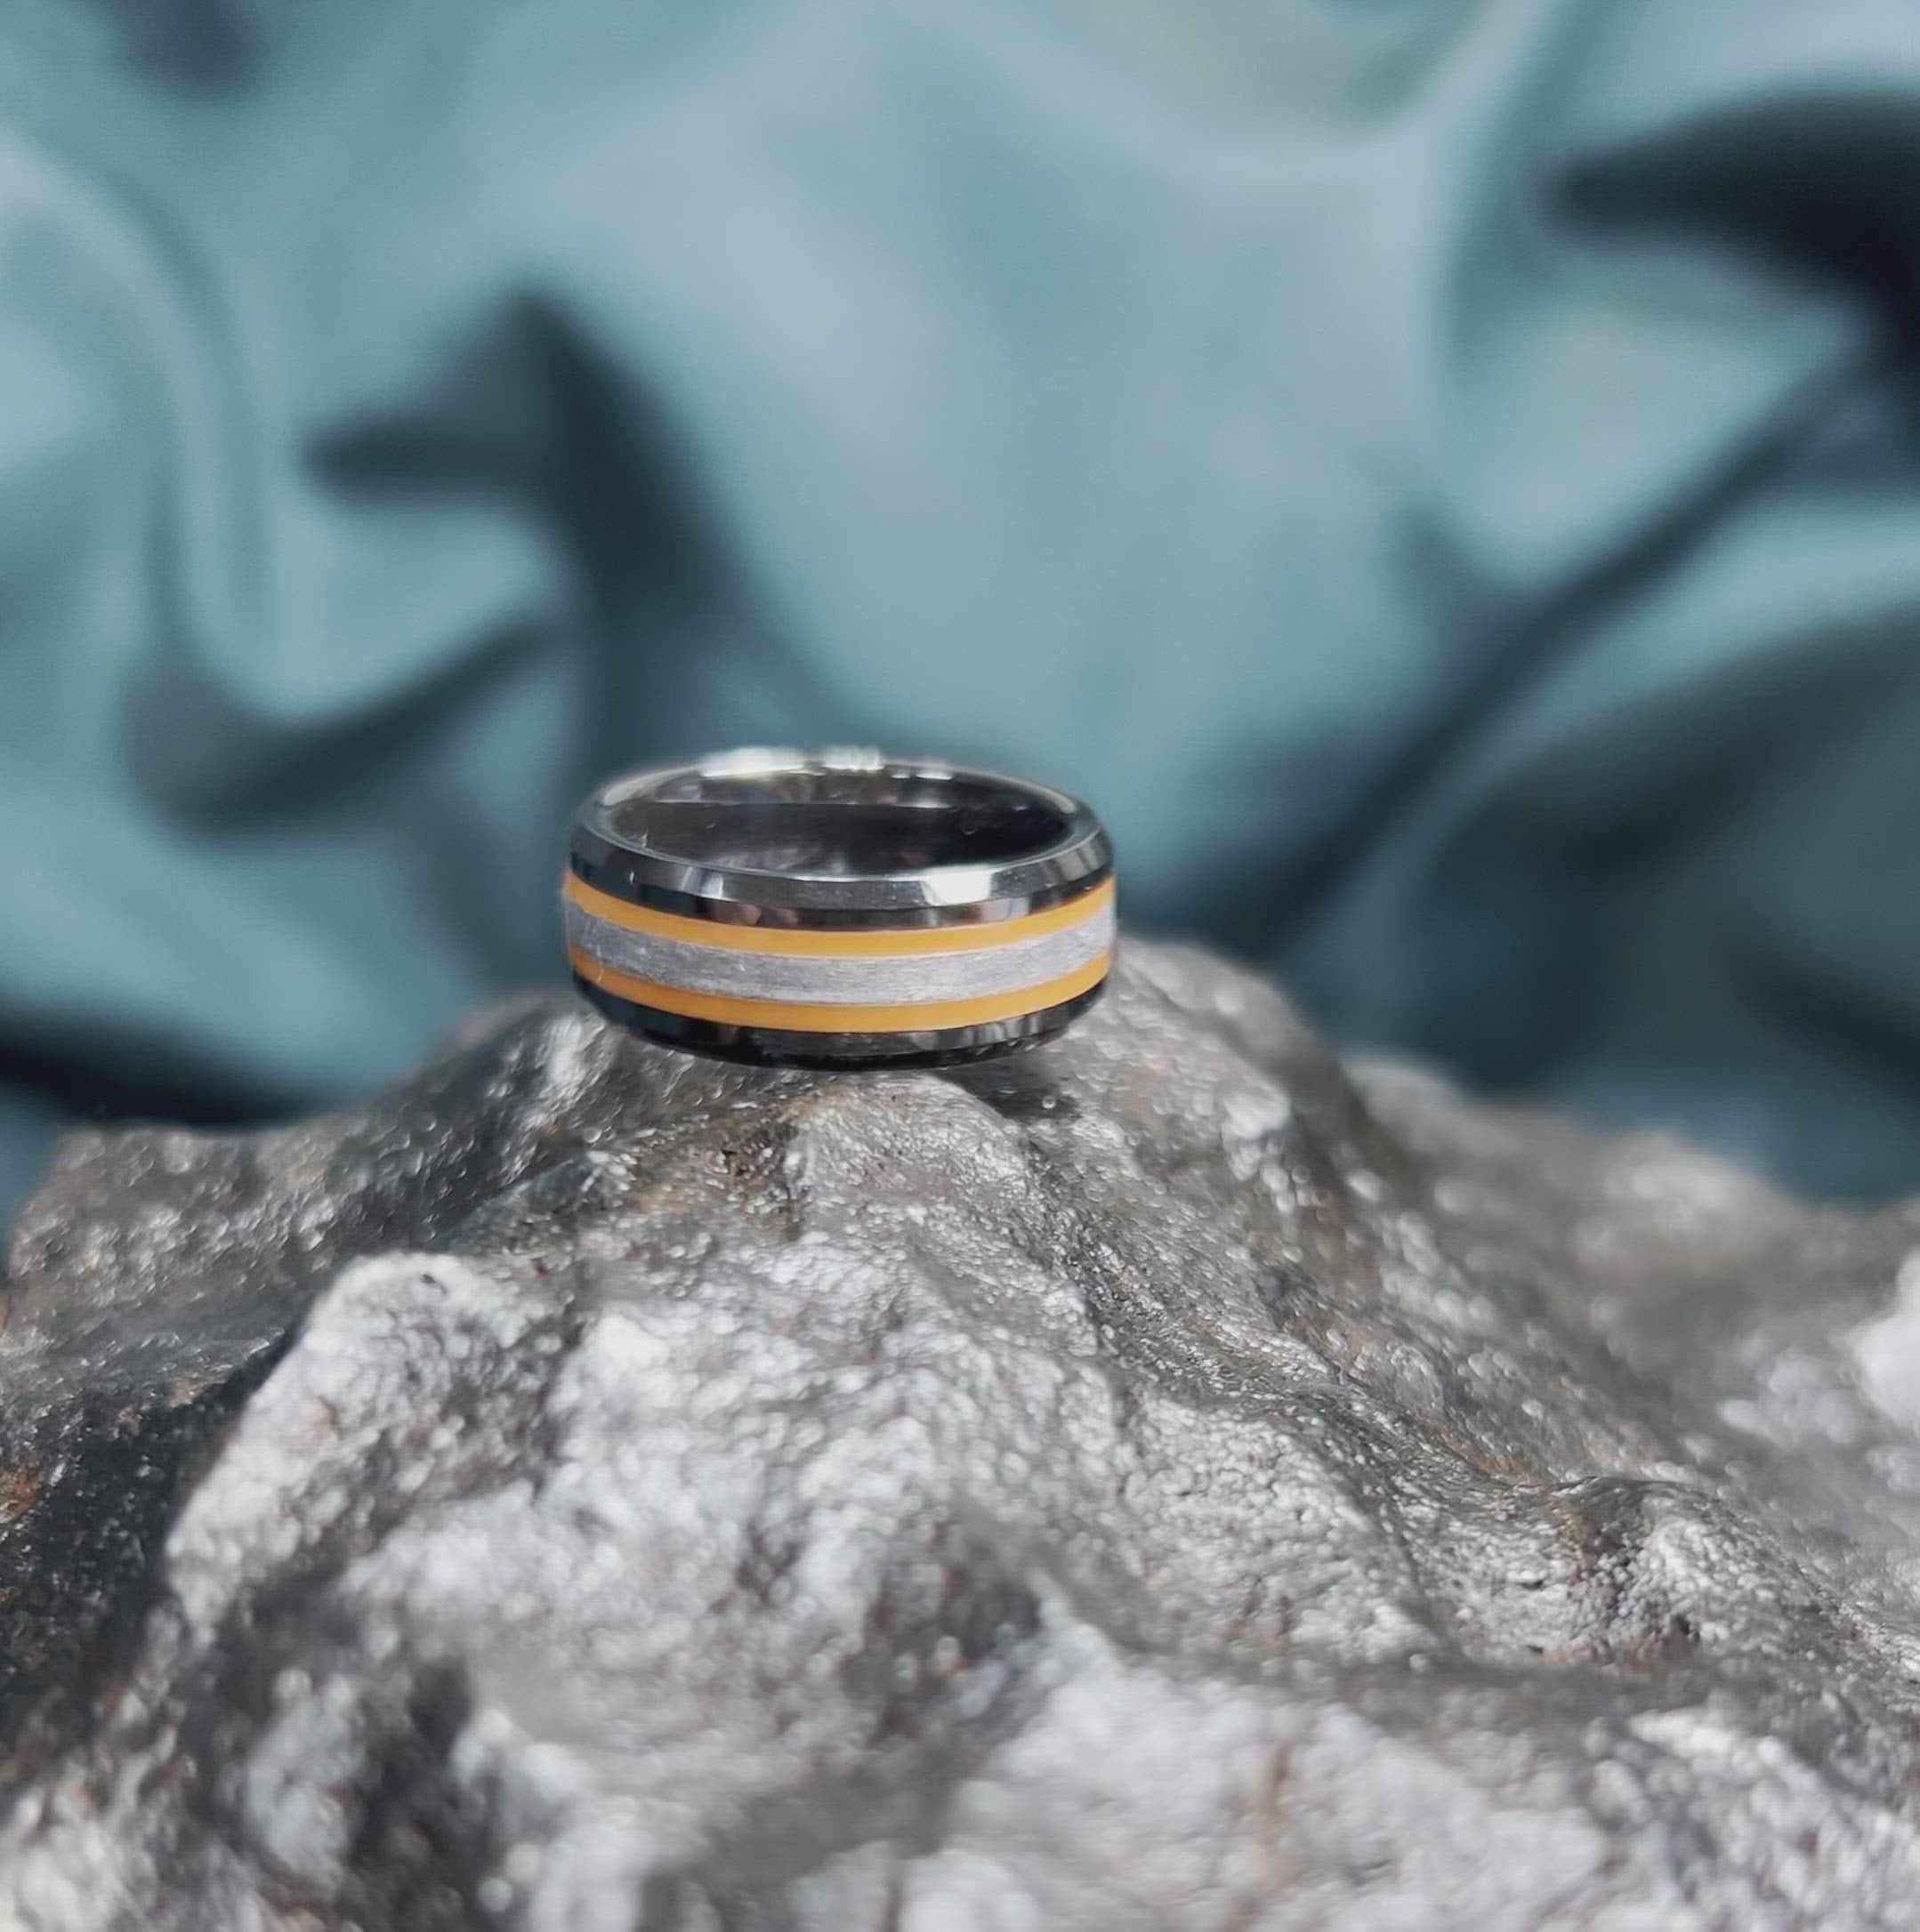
{"x":899,"y":980}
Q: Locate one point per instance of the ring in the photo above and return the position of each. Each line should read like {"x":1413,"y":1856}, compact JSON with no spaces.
{"x":844,"y":910}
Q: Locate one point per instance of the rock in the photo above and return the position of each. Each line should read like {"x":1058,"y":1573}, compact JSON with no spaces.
{"x":1167,"y":1480}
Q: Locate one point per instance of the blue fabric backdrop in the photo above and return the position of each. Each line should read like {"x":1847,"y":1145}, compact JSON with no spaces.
{"x":1444,"y":477}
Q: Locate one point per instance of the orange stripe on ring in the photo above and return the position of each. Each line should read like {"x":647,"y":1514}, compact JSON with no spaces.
{"x":791,"y":1017}
{"x":867,"y":942}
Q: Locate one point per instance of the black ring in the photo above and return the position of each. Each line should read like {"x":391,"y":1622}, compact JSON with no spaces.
{"x":840,"y":910}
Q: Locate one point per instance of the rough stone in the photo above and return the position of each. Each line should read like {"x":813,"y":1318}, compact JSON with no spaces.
{"x":1167,"y":1481}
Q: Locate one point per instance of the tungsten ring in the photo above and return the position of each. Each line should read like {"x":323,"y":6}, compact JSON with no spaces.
{"x":844,"y":910}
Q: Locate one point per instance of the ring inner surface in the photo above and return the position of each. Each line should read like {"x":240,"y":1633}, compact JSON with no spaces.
{"x":837,"y":824}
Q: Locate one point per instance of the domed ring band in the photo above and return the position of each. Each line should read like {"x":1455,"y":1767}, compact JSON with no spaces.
{"x":841,"y":910}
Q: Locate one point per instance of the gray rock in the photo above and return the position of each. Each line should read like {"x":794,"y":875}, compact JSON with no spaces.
{"x":1165,"y":1481}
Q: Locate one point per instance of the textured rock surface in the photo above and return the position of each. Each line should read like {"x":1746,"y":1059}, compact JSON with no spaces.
{"x":1162,"y":1482}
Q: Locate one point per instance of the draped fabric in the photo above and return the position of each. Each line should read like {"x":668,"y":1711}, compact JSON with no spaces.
{"x":1444,"y":478}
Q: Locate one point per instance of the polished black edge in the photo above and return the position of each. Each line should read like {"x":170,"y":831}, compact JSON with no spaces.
{"x":1028,"y":881}
{"x":759,"y":1046}
{"x":608,"y":870}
